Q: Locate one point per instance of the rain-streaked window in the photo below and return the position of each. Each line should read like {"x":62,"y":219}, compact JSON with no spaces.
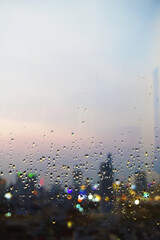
{"x":79,"y":120}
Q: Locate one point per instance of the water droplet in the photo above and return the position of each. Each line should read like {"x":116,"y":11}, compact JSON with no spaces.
{"x":53,"y":221}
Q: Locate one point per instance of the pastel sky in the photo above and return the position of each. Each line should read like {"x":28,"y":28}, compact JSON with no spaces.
{"x":81,"y":66}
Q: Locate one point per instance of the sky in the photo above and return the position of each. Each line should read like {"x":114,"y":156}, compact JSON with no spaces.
{"x":76,"y":71}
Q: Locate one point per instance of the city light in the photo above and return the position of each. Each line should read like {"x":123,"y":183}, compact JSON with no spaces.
{"x":95,"y":187}
{"x":69,"y":197}
{"x":41,"y":182}
{"x":90,"y":196}
{"x":115,"y":185}
{"x":8,"y":214}
{"x":124,"y":197}
{"x":69,"y":190}
{"x":83,"y":187}
{"x":96,"y":198}
{"x":133,"y":193}
{"x":8,"y":196}
{"x":106,"y":199}
{"x":133,"y":187}
{"x":136,"y":201}
{"x":20,"y":174}
{"x":146,"y":195}
{"x":69,"y":224}
{"x":80,"y":197}
{"x":117,"y":182}
{"x":78,"y":206}
{"x":31,"y":175}
{"x":157,"y":198}
{"x":81,"y":209}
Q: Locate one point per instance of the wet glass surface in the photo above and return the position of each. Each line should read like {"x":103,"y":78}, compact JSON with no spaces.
{"x":79,"y":120}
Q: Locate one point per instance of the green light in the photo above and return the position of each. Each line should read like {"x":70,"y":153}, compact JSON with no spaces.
{"x":146,"y":195}
{"x":8,"y":214}
{"x":20,"y":174}
{"x":78,"y":206}
{"x":81,"y":209}
{"x":31,"y":175}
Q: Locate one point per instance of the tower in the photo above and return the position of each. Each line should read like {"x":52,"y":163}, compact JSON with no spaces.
{"x":106,"y":181}
{"x":141,"y":183}
{"x":156,"y":122}
{"x":77,"y":179}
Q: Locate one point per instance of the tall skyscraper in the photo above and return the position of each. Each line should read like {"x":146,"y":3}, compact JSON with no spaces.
{"x":106,"y":181}
{"x":156,"y":122}
{"x":141,"y":183}
{"x":77,"y":180}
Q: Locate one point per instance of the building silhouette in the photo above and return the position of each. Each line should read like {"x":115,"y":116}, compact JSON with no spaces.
{"x":77,"y":180}
{"x":141,"y":183}
{"x":2,"y":188}
{"x":106,"y":181}
{"x":156,"y":122}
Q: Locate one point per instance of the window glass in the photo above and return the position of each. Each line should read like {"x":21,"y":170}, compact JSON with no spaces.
{"x":80,"y":118}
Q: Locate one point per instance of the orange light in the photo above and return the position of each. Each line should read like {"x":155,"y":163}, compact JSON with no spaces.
{"x":79,"y":200}
{"x":83,"y":187}
{"x":69,"y":197}
{"x":124,"y":198}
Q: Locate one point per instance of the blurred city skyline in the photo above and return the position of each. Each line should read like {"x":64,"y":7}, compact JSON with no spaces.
{"x":76,"y":71}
